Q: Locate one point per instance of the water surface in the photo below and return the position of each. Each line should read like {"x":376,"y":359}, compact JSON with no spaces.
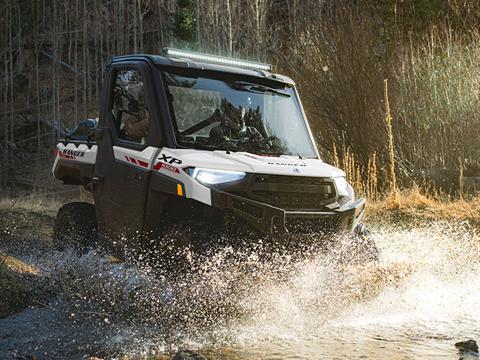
{"x":421,"y":298}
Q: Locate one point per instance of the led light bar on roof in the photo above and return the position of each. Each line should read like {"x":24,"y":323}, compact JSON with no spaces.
{"x":214,"y":59}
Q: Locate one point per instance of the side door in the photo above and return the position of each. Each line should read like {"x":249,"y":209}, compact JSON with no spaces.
{"x":127,"y":149}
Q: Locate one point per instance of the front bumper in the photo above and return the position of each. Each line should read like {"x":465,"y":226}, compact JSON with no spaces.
{"x":272,"y":220}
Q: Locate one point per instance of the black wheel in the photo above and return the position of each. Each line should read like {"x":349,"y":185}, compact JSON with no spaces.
{"x":75,"y":227}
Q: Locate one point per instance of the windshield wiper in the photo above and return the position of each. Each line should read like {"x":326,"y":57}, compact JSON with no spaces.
{"x":246,"y":86}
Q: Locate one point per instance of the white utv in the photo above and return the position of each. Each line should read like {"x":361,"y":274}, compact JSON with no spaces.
{"x":189,"y":144}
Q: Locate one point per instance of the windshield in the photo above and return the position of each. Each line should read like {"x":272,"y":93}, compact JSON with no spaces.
{"x":237,"y":116}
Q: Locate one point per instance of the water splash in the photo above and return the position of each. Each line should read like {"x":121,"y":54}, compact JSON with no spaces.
{"x":415,"y":302}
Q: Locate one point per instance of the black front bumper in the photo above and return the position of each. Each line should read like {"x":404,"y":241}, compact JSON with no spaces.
{"x":273,"y":220}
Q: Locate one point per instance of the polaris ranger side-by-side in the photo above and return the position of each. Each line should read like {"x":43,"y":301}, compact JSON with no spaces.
{"x":187,"y":137}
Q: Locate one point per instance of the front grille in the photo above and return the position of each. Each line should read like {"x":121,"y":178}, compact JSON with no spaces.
{"x":292,"y":192}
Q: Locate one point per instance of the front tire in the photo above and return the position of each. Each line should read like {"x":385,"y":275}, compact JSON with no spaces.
{"x":75,"y":227}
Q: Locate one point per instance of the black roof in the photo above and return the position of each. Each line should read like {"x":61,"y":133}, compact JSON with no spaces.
{"x":188,"y":63}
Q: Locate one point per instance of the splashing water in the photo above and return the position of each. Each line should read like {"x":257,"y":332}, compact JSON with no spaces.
{"x":415,"y":303}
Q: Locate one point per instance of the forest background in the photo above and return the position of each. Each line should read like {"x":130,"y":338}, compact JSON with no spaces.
{"x":339,"y":52}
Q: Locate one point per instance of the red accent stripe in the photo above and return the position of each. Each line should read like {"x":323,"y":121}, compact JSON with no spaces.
{"x":133,"y":161}
{"x":142,"y":163}
{"x":136,"y":161}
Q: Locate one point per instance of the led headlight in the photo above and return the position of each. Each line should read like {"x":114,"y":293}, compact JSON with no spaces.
{"x":213,"y":177}
{"x":343,"y":187}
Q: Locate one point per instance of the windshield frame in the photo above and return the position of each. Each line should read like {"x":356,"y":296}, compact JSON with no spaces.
{"x":231,"y":78}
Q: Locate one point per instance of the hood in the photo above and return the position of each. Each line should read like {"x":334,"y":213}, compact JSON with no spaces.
{"x":251,"y":163}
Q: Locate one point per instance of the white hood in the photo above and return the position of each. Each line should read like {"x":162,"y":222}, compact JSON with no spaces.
{"x":250,"y":163}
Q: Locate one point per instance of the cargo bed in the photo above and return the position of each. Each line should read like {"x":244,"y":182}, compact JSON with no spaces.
{"x":76,"y":155}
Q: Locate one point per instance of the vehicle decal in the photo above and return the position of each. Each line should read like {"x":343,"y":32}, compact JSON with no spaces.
{"x":141,"y":159}
{"x":81,"y":153}
{"x":136,"y":161}
{"x":162,"y":165}
{"x":62,"y":155}
{"x":74,"y":153}
{"x":284,"y":164}
{"x":169,"y":159}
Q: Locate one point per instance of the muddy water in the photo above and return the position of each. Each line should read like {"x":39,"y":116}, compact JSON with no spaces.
{"x":421,"y":298}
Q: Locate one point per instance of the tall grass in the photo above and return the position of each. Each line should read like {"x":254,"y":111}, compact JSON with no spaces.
{"x":391,"y":148}
{"x":433,"y":95}
{"x":438,"y":81}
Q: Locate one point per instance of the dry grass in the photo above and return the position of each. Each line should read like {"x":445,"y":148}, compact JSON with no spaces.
{"x":391,"y":148}
{"x":414,"y":204}
{"x":15,"y":292}
{"x":437,"y":99}
{"x":15,"y":264}
{"x":20,"y":227}
{"x":36,"y":202}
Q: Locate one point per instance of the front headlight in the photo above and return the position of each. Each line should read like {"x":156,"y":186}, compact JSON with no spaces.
{"x":344,"y":188}
{"x":213,"y":177}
